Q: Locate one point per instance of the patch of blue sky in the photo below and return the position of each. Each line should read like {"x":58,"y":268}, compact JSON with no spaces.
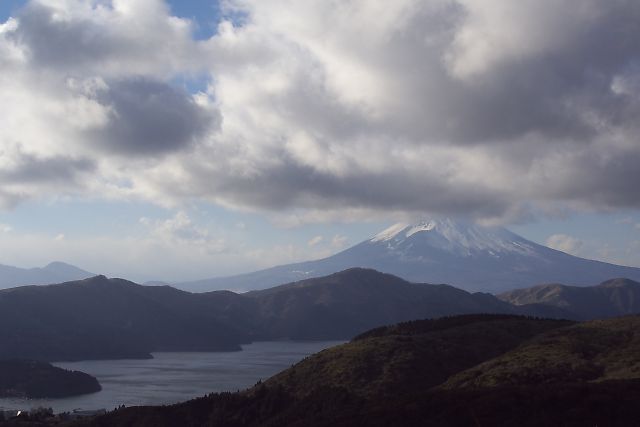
{"x":8,"y":8}
{"x":192,"y":83}
{"x":205,"y":15}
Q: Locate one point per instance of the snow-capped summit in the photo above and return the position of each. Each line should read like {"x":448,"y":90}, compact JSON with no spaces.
{"x":462,"y":238}
{"x":459,"y":253}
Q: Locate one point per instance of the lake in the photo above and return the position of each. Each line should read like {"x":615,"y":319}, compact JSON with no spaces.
{"x":176,"y":377}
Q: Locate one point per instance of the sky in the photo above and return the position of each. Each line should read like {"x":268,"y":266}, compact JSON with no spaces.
{"x":179,"y":140}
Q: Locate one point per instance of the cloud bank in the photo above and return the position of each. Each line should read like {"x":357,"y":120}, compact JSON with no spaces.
{"x":489,"y":108}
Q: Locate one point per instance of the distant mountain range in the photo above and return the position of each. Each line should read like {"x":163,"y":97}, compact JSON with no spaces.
{"x":465,"y":255}
{"x":100,"y":318}
{"x":55,"y":272}
{"x":478,"y":370}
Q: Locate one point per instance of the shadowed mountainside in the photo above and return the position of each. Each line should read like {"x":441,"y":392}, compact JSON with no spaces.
{"x":460,"y":371}
{"x":34,"y":380}
{"x":344,"y":304}
{"x":102,"y":318}
{"x":616,"y":297}
{"x":595,"y":351}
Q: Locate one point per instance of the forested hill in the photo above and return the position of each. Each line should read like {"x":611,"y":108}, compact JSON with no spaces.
{"x":459,"y":371}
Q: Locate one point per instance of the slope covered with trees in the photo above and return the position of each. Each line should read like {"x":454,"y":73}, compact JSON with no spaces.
{"x":33,"y":380}
{"x":459,"y":371}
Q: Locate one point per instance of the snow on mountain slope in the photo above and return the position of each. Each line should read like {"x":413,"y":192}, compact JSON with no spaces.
{"x":460,"y":238}
{"x":465,"y":255}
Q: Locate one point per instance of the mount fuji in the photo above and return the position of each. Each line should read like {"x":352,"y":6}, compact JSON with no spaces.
{"x":458,"y":253}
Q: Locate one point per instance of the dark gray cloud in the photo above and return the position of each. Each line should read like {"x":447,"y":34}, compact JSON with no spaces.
{"x":562,"y":90}
{"x":150,"y":118}
{"x":105,"y":38}
{"x":534,"y":89}
{"x":293,"y":185}
{"x":608,"y":180}
{"x":30,"y":169}
{"x":58,"y":42}
{"x":29,"y":174}
{"x":479,"y":107}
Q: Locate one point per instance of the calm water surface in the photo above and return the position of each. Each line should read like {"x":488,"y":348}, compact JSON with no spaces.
{"x":175,"y":377}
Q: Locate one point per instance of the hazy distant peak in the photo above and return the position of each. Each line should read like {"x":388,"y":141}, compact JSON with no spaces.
{"x":64,"y":268}
{"x":57,"y":264}
{"x":54,"y":272}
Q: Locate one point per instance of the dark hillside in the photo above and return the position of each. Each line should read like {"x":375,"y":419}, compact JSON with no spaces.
{"x":616,"y":297}
{"x":344,"y":304}
{"x":595,"y":351}
{"x":33,"y":380}
{"x":102,"y":318}
{"x":413,"y":355}
{"x":392,"y":377}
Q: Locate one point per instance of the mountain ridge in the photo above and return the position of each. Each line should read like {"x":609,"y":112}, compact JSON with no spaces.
{"x":614,"y":297}
{"x":100,"y":318}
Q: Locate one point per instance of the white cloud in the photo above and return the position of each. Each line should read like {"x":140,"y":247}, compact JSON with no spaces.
{"x":5,"y":228}
{"x":565,"y":243}
{"x":339,"y":242}
{"x":180,"y":230}
{"x":315,"y":241}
